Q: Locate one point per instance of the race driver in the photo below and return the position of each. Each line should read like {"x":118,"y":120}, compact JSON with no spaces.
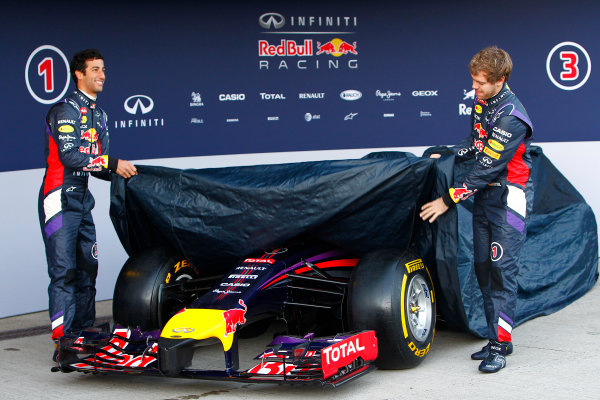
{"x":76,"y":144}
{"x":501,"y":132}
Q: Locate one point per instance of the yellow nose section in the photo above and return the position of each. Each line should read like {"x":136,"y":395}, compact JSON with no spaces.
{"x":200,"y":324}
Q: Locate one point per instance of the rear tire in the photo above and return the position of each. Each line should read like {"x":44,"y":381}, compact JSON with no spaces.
{"x":391,"y":292}
{"x":137,"y":297}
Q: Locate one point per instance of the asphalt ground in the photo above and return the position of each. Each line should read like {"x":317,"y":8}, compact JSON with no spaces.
{"x":555,"y":357}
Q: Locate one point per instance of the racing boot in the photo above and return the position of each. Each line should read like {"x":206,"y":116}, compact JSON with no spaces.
{"x":496,"y":357}
{"x":482,"y":354}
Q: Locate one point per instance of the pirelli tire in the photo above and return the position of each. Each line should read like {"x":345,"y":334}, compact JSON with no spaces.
{"x":391,"y":292}
{"x":138,"y":300}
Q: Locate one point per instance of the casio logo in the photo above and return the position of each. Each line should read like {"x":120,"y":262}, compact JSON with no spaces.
{"x":232,"y":97}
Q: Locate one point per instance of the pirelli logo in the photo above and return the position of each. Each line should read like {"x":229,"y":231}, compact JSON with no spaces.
{"x":491,"y":153}
{"x":414,"y":265}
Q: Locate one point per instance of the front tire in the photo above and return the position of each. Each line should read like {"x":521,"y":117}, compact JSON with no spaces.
{"x":137,"y":298}
{"x":391,"y":292}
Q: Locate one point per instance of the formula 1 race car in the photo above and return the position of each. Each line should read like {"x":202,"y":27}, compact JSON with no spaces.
{"x":342,"y":315}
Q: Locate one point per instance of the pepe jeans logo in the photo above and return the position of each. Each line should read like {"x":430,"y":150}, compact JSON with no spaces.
{"x":138,"y":102}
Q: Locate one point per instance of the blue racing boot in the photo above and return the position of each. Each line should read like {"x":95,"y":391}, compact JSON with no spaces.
{"x":482,"y":354}
{"x":496,"y":357}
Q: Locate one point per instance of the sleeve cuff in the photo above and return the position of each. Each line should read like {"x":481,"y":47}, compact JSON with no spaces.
{"x":113,"y":162}
{"x":448,"y":200}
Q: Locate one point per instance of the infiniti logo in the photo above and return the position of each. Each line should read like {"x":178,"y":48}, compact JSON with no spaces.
{"x":144,"y":103}
{"x":271,"y":20}
{"x":183,"y":330}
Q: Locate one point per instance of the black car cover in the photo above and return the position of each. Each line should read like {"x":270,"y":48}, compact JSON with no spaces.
{"x":215,"y":216}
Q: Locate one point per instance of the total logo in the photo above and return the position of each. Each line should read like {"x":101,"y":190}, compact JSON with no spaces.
{"x":272,"y":96}
{"x":232,"y":97}
{"x":139,"y":104}
{"x":351,"y":95}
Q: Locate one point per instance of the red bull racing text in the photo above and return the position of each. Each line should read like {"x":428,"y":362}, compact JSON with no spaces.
{"x":301,"y":50}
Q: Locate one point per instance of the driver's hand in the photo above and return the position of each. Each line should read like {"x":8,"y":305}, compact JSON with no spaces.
{"x":430,"y":211}
{"x":126,"y":169}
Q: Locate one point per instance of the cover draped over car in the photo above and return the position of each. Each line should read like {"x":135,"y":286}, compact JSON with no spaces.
{"x":216,"y":216}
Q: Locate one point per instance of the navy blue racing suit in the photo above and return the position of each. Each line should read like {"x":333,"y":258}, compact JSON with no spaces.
{"x":500,"y":180}
{"x":76,"y":144}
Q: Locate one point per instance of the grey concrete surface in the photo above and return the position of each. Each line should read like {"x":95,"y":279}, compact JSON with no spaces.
{"x":555,"y":357}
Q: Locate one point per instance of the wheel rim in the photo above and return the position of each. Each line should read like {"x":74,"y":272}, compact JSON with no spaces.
{"x":419,"y":309}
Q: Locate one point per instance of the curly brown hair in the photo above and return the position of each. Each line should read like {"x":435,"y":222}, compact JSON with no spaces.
{"x":495,"y":62}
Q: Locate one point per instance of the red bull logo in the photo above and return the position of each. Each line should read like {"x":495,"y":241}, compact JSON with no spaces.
{"x":336,"y":47}
{"x":480,"y":130}
{"x":234,"y":317}
{"x":96,"y":163}
{"x":285,"y":48}
{"x":90,"y":135}
{"x":90,"y":149}
{"x":462,"y":193}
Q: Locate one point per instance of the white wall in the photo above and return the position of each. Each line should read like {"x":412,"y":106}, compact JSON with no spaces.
{"x":23,"y":269}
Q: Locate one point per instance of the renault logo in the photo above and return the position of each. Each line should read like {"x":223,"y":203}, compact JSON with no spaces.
{"x":271,"y":20}
{"x":138,"y":101}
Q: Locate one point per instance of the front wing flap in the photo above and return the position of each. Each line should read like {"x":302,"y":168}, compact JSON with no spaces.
{"x":288,"y":359}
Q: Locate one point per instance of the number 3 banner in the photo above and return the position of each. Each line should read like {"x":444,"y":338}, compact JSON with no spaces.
{"x":568,"y":65}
